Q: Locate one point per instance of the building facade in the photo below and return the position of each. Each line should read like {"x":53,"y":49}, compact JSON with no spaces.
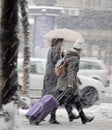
{"x":92,"y":18}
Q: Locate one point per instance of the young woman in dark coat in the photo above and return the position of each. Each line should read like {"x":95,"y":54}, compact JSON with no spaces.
{"x":50,"y":78}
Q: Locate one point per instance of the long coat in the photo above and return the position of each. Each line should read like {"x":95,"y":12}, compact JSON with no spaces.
{"x":72,"y":59}
{"x":50,"y":79}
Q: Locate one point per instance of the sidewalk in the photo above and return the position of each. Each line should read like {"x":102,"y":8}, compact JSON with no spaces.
{"x":102,"y":121}
{"x":65,"y":125}
{"x":101,"y":112}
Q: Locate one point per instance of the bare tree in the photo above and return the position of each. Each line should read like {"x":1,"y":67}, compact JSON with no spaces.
{"x":26,"y":66}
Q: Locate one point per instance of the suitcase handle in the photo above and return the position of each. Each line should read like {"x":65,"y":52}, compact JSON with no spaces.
{"x":62,"y":95}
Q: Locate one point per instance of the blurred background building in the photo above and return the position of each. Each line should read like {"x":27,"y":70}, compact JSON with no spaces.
{"x":92,"y":18}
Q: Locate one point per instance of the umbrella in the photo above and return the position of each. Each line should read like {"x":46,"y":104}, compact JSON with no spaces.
{"x":66,"y":34}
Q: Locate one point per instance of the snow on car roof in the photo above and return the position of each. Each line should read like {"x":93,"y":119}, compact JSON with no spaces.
{"x":33,"y":59}
{"x":92,"y":59}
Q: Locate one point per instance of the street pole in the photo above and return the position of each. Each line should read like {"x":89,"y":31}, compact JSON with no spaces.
{"x":9,"y":49}
{"x":1,"y":3}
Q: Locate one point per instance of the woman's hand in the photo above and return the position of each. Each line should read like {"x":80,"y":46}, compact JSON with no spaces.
{"x":70,"y":87}
{"x":62,"y":54}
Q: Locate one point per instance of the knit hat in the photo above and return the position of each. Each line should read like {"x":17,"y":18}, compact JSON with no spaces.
{"x":78,"y":45}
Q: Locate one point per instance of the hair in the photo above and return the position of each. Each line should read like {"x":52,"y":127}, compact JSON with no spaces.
{"x":55,"y":41}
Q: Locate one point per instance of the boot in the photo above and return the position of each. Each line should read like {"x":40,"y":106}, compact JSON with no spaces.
{"x":82,"y":115}
{"x":84,"y":118}
{"x":72,"y":117}
{"x":53,"y":119}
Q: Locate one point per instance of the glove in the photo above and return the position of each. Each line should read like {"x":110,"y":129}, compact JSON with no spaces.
{"x":70,"y":87}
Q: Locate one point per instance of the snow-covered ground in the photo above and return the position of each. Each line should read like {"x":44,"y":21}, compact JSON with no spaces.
{"x":102,"y":121}
{"x":102,"y":111}
{"x":9,"y":118}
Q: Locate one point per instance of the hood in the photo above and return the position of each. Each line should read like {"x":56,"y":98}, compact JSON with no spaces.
{"x":71,"y":53}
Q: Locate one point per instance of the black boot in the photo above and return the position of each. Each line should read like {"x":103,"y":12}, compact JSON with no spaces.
{"x":72,"y":117}
{"x":82,"y":115}
{"x":53,"y":119}
{"x":84,"y":118}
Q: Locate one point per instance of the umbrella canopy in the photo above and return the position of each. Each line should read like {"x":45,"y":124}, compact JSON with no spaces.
{"x":66,"y":34}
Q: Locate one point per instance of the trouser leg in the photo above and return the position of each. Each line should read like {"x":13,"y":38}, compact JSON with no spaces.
{"x":53,"y":115}
{"x":69,"y":109}
{"x":53,"y":118}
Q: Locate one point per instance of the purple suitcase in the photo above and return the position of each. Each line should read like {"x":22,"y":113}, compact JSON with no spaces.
{"x":41,"y":109}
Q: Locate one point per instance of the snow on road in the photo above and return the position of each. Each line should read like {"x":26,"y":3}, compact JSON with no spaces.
{"x":102,"y":121}
{"x":102,"y":111}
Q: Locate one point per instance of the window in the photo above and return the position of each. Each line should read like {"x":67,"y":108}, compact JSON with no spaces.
{"x":89,"y":65}
{"x":36,"y":67}
{"x":102,"y":2}
{"x":94,"y":65}
{"x":33,"y":69}
{"x":39,"y":67}
{"x":98,"y":2}
{"x":106,"y":2}
{"x":84,"y":65}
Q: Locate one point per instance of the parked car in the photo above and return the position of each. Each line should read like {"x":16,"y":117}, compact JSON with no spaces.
{"x":92,"y":89}
{"x":96,"y":69}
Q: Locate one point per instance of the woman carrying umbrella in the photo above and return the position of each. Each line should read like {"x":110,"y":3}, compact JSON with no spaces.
{"x":50,"y":79}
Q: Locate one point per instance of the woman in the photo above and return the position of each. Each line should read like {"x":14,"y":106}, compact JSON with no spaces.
{"x":50,"y":79}
{"x":71,"y":81}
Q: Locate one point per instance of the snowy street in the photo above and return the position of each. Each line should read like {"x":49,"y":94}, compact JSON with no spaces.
{"x":101,"y":111}
{"x":102,"y":121}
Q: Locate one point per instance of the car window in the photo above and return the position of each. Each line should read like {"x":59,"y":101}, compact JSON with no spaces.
{"x":36,"y":67}
{"x":89,"y":65}
{"x":94,"y":65}
{"x":84,"y":65}
{"x":33,"y":69}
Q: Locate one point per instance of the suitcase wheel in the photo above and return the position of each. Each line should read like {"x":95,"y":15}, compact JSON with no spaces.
{"x":37,"y":123}
{"x":34,"y":123}
{"x":31,"y":123}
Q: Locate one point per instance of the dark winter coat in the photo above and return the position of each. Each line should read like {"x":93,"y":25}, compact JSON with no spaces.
{"x":72,"y":58}
{"x":50,"y":79}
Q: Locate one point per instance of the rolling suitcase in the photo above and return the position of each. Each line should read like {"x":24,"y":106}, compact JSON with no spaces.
{"x":42,"y":108}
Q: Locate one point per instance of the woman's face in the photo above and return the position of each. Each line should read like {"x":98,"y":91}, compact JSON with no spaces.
{"x":79,"y":51}
{"x":60,"y":44}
